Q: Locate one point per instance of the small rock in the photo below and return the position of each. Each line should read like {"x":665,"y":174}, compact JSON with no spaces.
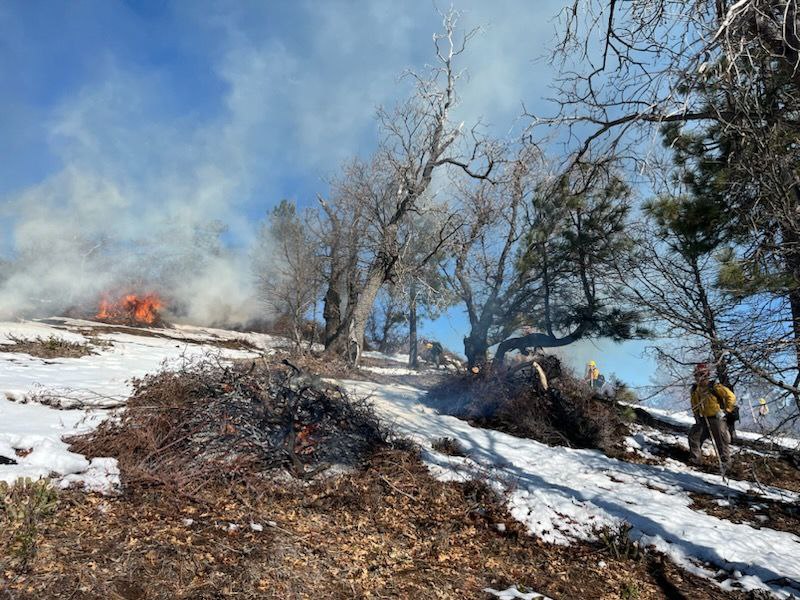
{"x":501,"y":527}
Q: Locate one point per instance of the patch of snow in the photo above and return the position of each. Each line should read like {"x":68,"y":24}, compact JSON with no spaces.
{"x":31,"y":435}
{"x":256,"y":527}
{"x":512,"y":593}
{"x":101,"y":476}
{"x":400,"y":358}
{"x":390,"y":370}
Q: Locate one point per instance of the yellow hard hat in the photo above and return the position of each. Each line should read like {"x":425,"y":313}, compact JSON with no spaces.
{"x":762,"y":401}
{"x":592,"y":363}
{"x":429,"y":345}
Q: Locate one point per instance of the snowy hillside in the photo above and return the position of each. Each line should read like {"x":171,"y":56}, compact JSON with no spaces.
{"x":559,"y":494}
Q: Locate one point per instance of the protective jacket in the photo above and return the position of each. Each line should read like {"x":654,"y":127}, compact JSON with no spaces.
{"x":708,"y":400}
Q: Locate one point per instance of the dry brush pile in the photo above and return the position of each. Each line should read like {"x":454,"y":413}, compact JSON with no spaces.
{"x":564,"y":411}
{"x":211,"y":423}
{"x":50,"y":347}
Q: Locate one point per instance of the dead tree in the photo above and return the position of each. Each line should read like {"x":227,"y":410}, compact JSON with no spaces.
{"x":288,"y":268}
{"x":418,"y":138}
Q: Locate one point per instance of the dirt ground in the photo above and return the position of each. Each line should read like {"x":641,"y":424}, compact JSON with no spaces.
{"x":388,"y":531}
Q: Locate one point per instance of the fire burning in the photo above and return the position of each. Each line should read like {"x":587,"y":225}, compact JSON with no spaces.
{"x":131,"y":309}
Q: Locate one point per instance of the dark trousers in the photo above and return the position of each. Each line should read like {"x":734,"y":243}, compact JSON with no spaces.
{"x":710,"y":427}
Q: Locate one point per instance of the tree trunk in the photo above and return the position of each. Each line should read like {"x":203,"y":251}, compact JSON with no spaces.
{"x":357,"y":314}
{"x":413,"y":352}
{"x":717,"y":352}
{"x":332,"y":310}
{"x":476,"y":347}
{"x":792,"y":260}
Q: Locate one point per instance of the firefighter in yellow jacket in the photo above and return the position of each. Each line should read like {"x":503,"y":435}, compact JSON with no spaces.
{"x":712,"y":405}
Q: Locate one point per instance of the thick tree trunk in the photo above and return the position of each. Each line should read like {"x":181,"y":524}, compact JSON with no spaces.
{"x":476,"y":347}
{"x":413,"y":352}
{"x":357,"y":316}
{"x":332,"y":311}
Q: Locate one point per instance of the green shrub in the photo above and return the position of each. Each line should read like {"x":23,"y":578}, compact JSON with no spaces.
{"x":22,"y":508}
{"x":630,"y":591}
{"x":617,"y":541}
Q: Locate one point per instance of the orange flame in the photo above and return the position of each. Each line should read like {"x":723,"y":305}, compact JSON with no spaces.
{"x":130,"y":308}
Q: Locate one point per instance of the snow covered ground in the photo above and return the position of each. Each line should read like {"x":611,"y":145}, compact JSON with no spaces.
{"x":31,"y":433}
{"x":560,"y":494}
{"x":563,"y":494}
{"x":685,"y":419}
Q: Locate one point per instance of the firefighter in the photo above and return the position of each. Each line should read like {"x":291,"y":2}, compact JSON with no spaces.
{"x":713,"y":405}
{"x":763,"y":409}
{"x":593,"y":376}
{"x":435,"y":352}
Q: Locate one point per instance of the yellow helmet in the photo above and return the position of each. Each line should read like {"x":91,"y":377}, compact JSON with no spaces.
{"x":592,"y":363}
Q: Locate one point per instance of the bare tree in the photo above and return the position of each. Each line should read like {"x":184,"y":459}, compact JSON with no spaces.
{"x":417,"y":139}
{"x":673,"y":280}
{"x":288,"y":268}
{"x":482,"y":273}
{"x":389,"y":315}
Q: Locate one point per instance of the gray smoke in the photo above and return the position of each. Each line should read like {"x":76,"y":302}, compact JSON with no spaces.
{"x":137,"y":206}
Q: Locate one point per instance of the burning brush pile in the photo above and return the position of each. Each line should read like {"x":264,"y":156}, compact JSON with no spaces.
{"x":132,"y":310}
{"x":213,"y":423}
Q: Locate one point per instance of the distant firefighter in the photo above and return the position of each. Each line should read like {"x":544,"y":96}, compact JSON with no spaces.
{"x":433,"y":352}
{"x":593,"y":376}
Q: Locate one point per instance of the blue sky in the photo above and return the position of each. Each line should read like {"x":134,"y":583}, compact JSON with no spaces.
{"x":119,"y":117}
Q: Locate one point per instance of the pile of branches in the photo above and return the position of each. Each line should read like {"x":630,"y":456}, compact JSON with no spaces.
{"x":213,"y":423}
{"x":556,"y":409}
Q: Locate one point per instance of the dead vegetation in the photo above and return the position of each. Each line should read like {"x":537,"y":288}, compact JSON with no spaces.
{"x":387,"y":530}
{"x":756,"y":511}
{"x":212,"y":422}
{"x":516,"y":402}
{"x":449,"y":446}
{"x":50,"y":347}
{"x":163,"y":332}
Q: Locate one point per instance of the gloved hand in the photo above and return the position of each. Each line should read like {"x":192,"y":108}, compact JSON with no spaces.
{"x":720,"y":415}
